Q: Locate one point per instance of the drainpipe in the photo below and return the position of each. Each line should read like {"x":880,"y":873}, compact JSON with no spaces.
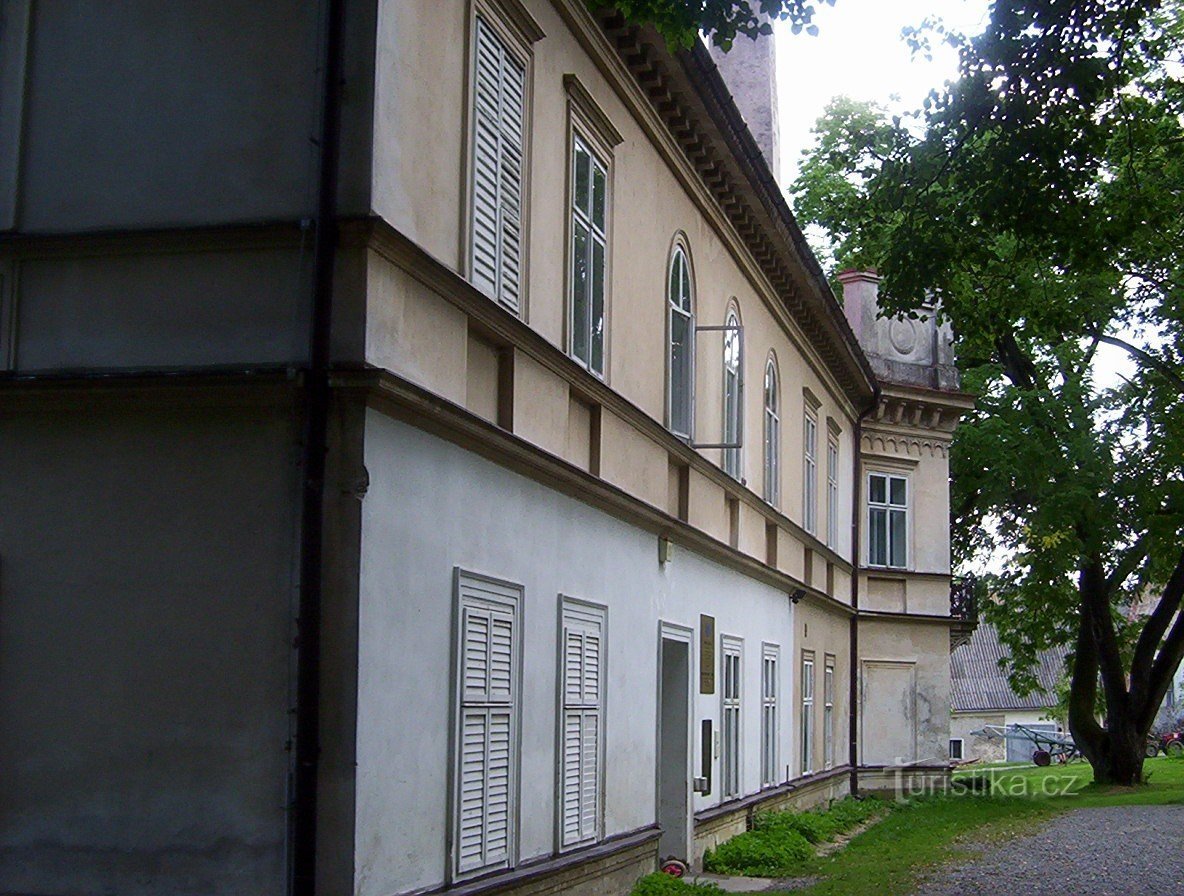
{"x":856,"y":548}
{"x":303,"y":812}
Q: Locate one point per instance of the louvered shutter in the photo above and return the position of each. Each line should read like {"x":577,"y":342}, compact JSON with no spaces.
{"x":499,"y":94}
{"x":580,"y":774}
{"x":485,"y":768}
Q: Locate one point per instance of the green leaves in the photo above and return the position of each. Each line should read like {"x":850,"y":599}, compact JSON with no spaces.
{"x":1041,"y":204}
{"x":721,"y":21}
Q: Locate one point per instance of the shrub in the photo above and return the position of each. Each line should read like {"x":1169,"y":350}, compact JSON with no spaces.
{"x":660,"y":884}
{"x":760,"y":853}
{"x":780,"y":842}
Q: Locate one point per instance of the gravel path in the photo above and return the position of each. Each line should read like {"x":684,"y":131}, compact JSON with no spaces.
{"x":1112,"y":851}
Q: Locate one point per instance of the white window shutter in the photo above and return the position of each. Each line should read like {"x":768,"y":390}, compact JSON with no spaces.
{"x":580,"y":770}
{"x":590,"y":776}
{"x":572,"y":754}
{"x":513,"y":83}
{"x":484,"y":261}
{"x":485,"y":797}
{"x":499,"y":108}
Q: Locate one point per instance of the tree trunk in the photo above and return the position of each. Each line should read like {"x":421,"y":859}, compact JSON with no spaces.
{"x":1115,"y":752}
{"x":1117,"y":759}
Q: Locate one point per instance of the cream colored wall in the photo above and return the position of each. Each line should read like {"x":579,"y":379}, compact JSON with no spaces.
{"x":420,"y":156}
{"x":927,"y":645}
{"x":824,"y":633}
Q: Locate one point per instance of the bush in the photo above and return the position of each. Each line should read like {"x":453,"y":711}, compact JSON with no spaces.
{"x":760,"y":854}
{"x":821,"y":825}
{"x":780,"y":842}
{"x":659,"y":884}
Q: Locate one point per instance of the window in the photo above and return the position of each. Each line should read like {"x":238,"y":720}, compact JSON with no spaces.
{"x":956,"y":745}
{"x":832,"y":493}
{"x":680,"y":358}
{"x":810,"y":474}
{"x":828,"y":713}
{"x":733,"y":400}
{"x":769,"y":759}
{"x":582,"y":755}
{"x":887,"y":520}
{"x":807,"y":713}
{"x":497,"y":165}
{"x":589,"y":246}
{"x":485,"y":776}
{"x":772,"y":436}
{"x":730,"y":757}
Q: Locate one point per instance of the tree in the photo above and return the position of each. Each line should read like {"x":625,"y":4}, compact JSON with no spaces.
{"x":681,"y":21}
{"x":1038,"y":198}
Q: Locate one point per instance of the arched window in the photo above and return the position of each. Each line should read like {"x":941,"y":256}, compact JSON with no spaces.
{"x":733,"y":385}
{"x":680,"y":357}
{"x":772,"y":435}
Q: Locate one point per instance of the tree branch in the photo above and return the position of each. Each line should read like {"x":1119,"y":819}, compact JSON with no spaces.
{"x":1145,"y":356}
{"x":1146,"y":648}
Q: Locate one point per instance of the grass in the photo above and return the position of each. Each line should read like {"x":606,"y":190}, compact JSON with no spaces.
{"x":985,"y":805}
{"x":781,"y":843}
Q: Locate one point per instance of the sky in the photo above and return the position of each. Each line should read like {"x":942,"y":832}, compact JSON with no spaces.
{"x":859,"y":53}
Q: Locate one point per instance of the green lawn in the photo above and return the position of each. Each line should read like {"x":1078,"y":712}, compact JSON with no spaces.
{"x":888,"y":857}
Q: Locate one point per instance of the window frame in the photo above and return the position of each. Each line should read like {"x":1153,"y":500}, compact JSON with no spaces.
{"x":732,"y":459}
{"x":516,"y":31}
{"x":591,"y":617}
{"x":680,"y":250}
{"x":832,"y":488}
{"x":828,"y":712}
{"x":595,"y":235}
{"x":961,"y":742}
{"x":810,"y":471}
{"x":475,"y":592}
{"x":770,"y":714}
{"x":589,"y":126}
{"x":888,"y":508}
{"x":771,"y":444}
{"x":806,"y":764}
{"x":731,"y":756}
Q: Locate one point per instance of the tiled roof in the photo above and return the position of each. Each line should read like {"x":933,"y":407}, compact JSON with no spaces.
{"x":977,"y":682}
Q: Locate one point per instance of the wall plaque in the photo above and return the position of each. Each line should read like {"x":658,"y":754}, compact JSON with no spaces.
{"x":706,"y":654}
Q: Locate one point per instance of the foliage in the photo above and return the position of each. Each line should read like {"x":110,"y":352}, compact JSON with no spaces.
{"x":818,"y":825}
{"x":681,"y":21}
{"x":780,"y":842}
{"x":661,"y":884}
{"x":760,"y":854}
{"x":1037,"y":198}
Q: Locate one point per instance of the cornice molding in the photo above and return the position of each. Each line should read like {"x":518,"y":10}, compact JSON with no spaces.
{"x":900,"y":443}
{"x":403,"y":400}
{"x":506,"y":329}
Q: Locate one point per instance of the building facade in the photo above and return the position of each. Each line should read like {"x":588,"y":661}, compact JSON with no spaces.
{"x":433,"y":460}
{"x":984,"y":705}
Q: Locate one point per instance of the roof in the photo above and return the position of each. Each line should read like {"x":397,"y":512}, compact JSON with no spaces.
{"x":978,"y":683}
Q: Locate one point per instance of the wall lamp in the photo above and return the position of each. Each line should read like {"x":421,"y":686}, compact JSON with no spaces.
{"x":797,"y":594}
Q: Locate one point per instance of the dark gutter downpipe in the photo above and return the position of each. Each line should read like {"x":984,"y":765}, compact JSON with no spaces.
{"x":856,"y":548}
{"x":303,"y":814}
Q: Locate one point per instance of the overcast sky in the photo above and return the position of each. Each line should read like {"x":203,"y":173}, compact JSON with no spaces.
{"x":859,"y":53}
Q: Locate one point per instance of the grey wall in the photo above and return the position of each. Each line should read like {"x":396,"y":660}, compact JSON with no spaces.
{"x":146,"y":551}
{"x":142,"y":113}
{"x":445,"y":507}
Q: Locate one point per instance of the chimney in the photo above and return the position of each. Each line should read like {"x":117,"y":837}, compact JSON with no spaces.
{"x":750,"y":71}
{"x":902,"y":350}
{"x":860,"y":292}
